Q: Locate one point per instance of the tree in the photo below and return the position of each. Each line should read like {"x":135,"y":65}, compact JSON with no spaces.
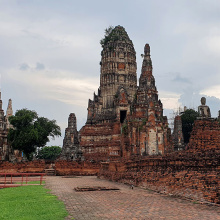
{"x":49,"y":153}
{"x":108,"y":32}
{"x":188,"y":118}
{"x":30,"y":131}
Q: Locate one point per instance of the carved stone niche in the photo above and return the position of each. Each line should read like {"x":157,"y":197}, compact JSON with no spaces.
{"x":121,"y":55}
{"x":121,"y":66}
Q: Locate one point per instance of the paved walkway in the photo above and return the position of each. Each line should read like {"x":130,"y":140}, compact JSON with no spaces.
{"x":123,"y":204}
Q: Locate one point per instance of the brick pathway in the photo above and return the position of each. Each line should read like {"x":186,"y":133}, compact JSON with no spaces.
{"x":125,"y":203}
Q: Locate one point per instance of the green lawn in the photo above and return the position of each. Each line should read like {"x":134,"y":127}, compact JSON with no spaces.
{"x":30,"y":203}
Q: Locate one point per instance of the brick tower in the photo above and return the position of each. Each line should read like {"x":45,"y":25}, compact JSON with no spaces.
{"x":118,"y":67}
{"x":71,"y":149}
{"x":6,"y":151}
{"x":148,"y":131}
{"x":118,"y":77}
{"x":9,"y":112}
{"x":124,"y":120}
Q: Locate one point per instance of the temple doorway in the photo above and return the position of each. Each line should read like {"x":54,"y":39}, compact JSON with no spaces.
{"x":123,"y":114}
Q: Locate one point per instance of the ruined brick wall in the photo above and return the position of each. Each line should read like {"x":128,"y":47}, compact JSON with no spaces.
{"x":64,"y":168}
{"x":205,"y":135}
{"x":194,"y":176}
{"x":193,"y":173}
{"x":101,"y":142}
{"x":23,"y":167}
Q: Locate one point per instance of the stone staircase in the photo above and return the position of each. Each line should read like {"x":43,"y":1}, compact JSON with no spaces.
{"x":50,"y":172}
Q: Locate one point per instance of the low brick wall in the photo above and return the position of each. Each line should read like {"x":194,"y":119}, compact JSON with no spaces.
{"x":23,"y":167}
{"x":191,"y":175}
{"x":64,"y":168}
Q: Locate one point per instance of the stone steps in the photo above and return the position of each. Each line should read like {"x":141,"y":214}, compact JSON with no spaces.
{"x":50,"y":172}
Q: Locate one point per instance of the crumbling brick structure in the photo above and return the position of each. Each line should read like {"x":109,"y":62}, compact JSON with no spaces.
{"x":37,"y":166}
{"x":6,"y":151}
{"x":178,"y":140}
{"x":124,"y":119}
{"x":205,"y":135}
{"x":61,"y":167}
{"x":64,"y":168}
{"x":127,"y":132}
{"x":71,"y":149}
{"x":193,"y":173}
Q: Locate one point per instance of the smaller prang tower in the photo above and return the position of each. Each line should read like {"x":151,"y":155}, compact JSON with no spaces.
{"x":71,"y":149}
{"x":147,"y":102}
{"x":6,"y":151}
{"x":177,"y":135}
{"x":9,"y":113}
{"x":148,"y":132}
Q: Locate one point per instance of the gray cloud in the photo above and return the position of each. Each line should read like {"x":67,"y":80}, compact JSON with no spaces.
{"x":40,"y":66}
{"x":24,"y":66}
{"x":180,"y":79}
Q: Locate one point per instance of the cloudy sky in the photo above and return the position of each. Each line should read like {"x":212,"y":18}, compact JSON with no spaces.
{"x":50,"y":52}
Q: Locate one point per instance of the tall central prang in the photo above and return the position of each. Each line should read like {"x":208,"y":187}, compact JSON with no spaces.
{"x":118,"y":77}
{"x":124,"y":120}
{"x":118,"y":66}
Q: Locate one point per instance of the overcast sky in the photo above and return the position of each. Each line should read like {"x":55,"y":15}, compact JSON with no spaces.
{"x":50,"y":52}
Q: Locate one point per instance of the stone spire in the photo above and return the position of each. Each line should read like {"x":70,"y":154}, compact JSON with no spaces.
{"x":147,"y":91}
{"x":1,"y":110}
{"x":147,"y":80}
{"x":0,"y":100}
{"x":118,"y":66}
{"x":177,"y":135}
{"x":70,"y":150}
{"x":9,"y":109}
{"x":9,"y":112}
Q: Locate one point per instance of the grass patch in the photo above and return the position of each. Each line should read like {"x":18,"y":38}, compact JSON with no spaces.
{"x":30,"y":202}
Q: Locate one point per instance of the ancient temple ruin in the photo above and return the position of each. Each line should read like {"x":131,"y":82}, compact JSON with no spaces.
{"x":71,"y":149}
{"x":192,"y":173}
{"x":6,"y":152}
{"x":124,"y":119}
{"x":178,"y":140}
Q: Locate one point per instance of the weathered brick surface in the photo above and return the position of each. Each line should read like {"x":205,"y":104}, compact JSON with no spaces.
{"x":192,"y":177}
{"x":73,"y":168}
{"x":205,"y":135}
{"x":61,"y":167}
{"x":101,"y":141}
{"x":23,"y":167}
{"x":194,"y":173}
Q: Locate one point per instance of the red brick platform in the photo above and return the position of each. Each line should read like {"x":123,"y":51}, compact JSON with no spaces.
{"x":125,"y":203}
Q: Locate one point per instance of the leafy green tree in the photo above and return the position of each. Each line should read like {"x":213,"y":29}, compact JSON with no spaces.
{"x":108,"y":32}
{"x":188,"y":118}
{"x":30,"y":131}
{"x":49,"y":153}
